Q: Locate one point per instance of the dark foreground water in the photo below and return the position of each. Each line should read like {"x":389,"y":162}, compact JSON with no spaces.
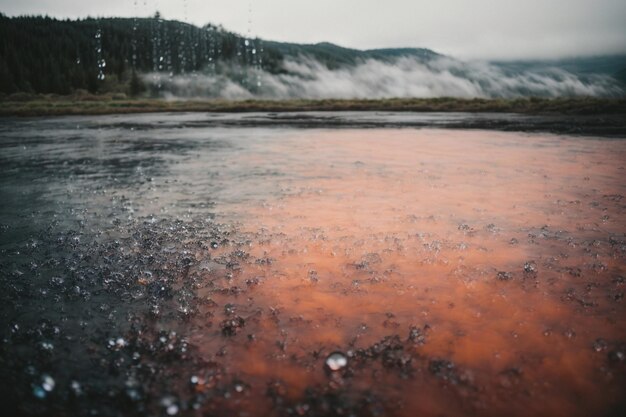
{"x":206,"y":265}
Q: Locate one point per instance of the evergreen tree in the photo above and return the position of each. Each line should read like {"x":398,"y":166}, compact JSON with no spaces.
{"x":45,"y":55}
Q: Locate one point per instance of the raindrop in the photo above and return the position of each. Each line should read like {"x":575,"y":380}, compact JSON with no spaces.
{"x":99,"y":59}
{"x":39,"y":392}
{"x":48,"y":383}
{"x":76,"y":388}
{"x":600,"y":344}
{"x":336,"y":361}
{"x":170,"y":405}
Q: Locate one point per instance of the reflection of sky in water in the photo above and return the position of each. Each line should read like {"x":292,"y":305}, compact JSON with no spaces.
{"x":476,"y":268}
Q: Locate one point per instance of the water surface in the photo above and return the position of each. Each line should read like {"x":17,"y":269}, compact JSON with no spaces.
{"x":164,"y":264}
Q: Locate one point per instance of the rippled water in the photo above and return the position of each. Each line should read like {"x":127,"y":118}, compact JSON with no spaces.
{"x":165,"y":265}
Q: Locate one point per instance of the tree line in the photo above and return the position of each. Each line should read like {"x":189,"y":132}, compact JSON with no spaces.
{"x":40,"y":54}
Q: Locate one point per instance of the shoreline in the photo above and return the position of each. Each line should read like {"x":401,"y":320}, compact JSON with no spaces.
{"x":35,"y":106}
{"x":578,"y":117}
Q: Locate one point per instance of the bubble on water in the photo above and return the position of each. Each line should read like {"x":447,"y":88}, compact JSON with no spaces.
{"x":504,"y":276}
{"x":38,"y":392}
{"x":57,"y":281}
{"x":530,"y":268}
{"x":230,"y":309}
{"x":570,"y":333}
{"x":116,"y":344}
{"x":336,"y":361}
{"x":169,"y":403}
{"x":600,"y":345}
{"x":76,"y":388}
{"x":47,"y":383}
{"x":47,"y":346}
{"x":133,"y":394}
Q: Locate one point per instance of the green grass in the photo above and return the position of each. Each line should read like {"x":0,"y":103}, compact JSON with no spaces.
{"x":27,"y":106}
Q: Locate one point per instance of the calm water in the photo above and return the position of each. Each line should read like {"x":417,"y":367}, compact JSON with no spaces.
{"x":171,"y":265}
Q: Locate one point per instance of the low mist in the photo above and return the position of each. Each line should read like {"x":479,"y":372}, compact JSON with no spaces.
{"x":404,"y":77}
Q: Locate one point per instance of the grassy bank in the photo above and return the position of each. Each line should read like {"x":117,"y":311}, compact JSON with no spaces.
{"x":28,"y":106}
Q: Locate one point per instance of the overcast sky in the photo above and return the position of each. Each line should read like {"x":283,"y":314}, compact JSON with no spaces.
{"x":483,"y":29}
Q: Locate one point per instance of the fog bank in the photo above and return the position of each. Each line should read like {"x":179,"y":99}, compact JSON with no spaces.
{"x":404,"y":77}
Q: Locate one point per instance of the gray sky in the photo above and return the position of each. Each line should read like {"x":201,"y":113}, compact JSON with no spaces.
{"x":482,"y":29}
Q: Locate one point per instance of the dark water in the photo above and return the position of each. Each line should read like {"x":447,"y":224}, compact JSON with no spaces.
{"x":218,"y":265}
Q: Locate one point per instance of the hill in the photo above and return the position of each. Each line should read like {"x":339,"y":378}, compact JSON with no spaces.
{"x":611,"y":65}
{"x":46,"y":55}
{"x":154,"y":56}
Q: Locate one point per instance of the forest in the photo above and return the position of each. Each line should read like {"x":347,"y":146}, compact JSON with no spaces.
{"x":46,"y":55}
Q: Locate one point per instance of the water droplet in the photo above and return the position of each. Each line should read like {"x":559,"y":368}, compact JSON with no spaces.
{"x":336,"y":361}
{"x":600,"y":344}
{"x":76,"y":388}
{"x":39,"y":392}
{"x":48,"y":383}
{"x":120,"y":343}
{"x":170,"y":405}
{"x":47,"y":346}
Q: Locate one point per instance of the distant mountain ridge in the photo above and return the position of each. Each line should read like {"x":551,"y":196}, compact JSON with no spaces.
{"x":611,"y":65}
{"x":334,"y":56}
{"x":45,"y":55}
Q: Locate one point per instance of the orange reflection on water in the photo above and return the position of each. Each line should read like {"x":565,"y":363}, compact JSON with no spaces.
{"x":505,"y":250}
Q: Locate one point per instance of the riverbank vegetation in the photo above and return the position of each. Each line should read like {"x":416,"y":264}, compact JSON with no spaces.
{"x":83,"y":103}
